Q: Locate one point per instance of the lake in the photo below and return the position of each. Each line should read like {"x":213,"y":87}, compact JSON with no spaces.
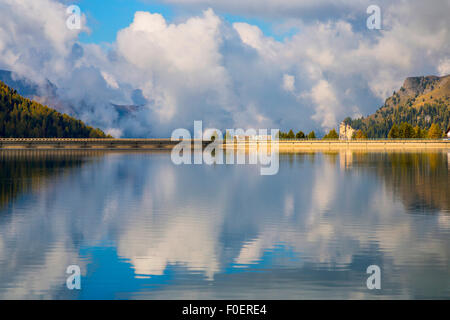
{"x":140,"y":227}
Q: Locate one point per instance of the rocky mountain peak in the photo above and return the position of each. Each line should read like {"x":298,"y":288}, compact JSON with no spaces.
{"x":413,"y":86}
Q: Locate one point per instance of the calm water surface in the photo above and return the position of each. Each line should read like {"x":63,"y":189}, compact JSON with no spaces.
{"x":140,"y":227}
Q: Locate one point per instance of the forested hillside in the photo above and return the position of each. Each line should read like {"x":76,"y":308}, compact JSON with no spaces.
{"x":24,"y":118}
{"x":420,"y":102}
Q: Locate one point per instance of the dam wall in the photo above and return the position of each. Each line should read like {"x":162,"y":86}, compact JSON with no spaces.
{"x":162,"y":144}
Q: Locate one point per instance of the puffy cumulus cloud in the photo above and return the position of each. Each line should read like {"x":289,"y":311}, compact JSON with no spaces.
{"x":190,"y":48}
{"x":325,"y":99}
{"x":178,"y":67}
{"x":33,"y":33}
{"x":309,"y":69}
{"x":253,"y":37}
{"x":228,"y":75}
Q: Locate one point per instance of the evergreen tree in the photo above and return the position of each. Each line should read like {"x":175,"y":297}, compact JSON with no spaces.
{"x":332,"y":135}
{"x":359,"y":135}
{"x":435,"y":132}
{"x":300,"y":135}
{"x":419,"y":133}
{"x":406,"y":131}
{"x":394,"y":132}
{"x":290,"y":134}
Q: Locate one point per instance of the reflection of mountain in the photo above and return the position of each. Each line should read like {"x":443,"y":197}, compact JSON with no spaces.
{"x":420,"y":180}
{"x":24,"y":171}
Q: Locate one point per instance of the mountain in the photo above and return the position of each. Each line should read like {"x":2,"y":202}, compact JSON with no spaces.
{"x":47,"y":94}
{"x":421,"y":102}
{"x":23,"y":87}
{"x":24,"y":118}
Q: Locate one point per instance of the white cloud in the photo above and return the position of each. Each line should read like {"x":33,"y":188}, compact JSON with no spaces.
{"x":110,"y":80}
{"x":115,"y":132}
{"x":444,"y":67}
{"x":253,"y":37}
{"x":34,"y":33}
{"x":174,"y":60}
{"x":326,"y":104}
{"x":288,"y":82}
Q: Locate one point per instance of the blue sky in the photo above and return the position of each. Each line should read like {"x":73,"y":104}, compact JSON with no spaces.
{"x":105,"y":20}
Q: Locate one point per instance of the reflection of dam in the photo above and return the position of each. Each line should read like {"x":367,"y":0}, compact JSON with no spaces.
{"x":284,"y":145}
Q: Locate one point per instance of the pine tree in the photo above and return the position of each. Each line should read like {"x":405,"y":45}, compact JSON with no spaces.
{"x":435,"y":132}
{"x":290,"y":134}
{"x":332,"y":135}
{"x":300,"y":135}
{"x":394,"y":132}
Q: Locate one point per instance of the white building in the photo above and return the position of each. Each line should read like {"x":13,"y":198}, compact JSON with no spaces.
{"x":345,"y":132}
